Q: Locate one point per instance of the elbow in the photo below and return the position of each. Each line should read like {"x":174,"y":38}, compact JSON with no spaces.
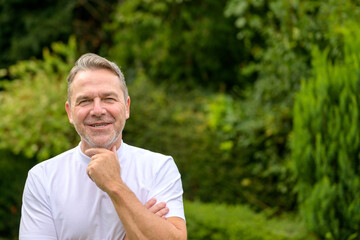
{"x":181,"y":235}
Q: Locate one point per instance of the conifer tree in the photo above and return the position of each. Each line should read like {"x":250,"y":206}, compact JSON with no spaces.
{"x":326,"y":143}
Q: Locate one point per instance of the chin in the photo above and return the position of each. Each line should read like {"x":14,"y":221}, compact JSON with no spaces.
{"x":101,"y":144}
{"x":93,"y":143}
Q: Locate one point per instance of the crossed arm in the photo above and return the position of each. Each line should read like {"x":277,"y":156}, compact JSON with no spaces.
{"x":138,"y":221}
{"x":158,"y":209}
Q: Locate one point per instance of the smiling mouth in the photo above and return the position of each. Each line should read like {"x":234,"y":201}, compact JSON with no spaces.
{"x":99,"y":125}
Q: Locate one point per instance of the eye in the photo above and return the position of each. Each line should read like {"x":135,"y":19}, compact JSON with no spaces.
{"x":83,"y":102}
{"x":110,"y":99}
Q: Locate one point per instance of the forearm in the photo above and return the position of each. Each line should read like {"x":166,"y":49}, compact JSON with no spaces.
{"x":138,"y":222}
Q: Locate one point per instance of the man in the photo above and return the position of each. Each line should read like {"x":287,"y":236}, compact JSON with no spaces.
{"x":103,"y":188}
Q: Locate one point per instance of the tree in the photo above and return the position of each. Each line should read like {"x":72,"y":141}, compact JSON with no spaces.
{"x":27,"y":26}
{"x":326,"y":143}
{"x":180,"y":43}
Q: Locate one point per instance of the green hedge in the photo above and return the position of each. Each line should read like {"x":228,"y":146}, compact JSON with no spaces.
{"x":326,"y":143}
{"x":219,"y":222}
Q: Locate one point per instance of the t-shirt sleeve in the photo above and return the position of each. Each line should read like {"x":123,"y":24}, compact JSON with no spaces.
{"x":167,"y":187}
{"x":36,"y":218}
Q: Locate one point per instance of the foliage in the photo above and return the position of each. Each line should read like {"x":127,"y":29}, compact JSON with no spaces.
{"x":182,"y":43}
{"x":198,"y":129}
{"x":214,"y":221}
{"x":280,"y":35}
{"x":179,"y":124}
{"x":34,"y":122}
{"x":326,"y":143}
{"x":13,"y":171}
{"x":27,"y":26}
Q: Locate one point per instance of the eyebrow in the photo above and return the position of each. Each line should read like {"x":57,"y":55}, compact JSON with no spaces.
{"x":107,"y":94}
{"x":80,"y":98}
{"x":103,"y":95}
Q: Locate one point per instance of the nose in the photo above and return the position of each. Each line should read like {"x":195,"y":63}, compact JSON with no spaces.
{"x":97,"y":109}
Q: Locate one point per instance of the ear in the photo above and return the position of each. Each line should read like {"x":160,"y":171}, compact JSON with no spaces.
{"x":127,"y":107}
{"x":68,"y":111}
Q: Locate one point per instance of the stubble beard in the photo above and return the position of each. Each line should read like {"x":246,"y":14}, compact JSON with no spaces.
{"x":88,"y":140}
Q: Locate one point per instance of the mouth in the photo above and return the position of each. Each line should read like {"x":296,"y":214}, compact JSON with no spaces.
{"x":99,"y":125}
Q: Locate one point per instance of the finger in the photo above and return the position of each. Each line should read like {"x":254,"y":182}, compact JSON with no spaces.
{"x":156,"y":208}
{"x":150,"y":203}
{"x":162,"y":212}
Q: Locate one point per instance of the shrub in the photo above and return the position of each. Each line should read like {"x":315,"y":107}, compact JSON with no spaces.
{"x":219,"y":221}
{"x":326,"y":143}
{"x":32,"y":106}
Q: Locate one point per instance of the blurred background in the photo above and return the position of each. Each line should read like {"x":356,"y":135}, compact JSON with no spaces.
{"x":256,"y":100}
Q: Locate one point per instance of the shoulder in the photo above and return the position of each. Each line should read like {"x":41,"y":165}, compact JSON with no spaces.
{"x":144,"y":155}
{"x":53,"y":164}
{"x":146,"y":162}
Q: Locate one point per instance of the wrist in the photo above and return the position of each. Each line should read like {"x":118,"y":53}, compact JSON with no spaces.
{"x":116,"y":189}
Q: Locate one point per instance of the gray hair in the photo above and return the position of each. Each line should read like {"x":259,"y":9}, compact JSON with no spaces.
{"x":91,"y":61}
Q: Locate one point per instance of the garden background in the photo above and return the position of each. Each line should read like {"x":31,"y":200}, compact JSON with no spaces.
{"x":256,"y":100}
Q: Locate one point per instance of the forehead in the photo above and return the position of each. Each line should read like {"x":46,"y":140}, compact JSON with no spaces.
{"x":93,"y":81}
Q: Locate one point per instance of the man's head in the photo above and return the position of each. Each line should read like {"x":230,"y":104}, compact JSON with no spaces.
{"x":98,"y":103}
{"x":91,"y":61}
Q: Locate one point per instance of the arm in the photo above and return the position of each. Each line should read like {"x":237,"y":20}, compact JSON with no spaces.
{"x":159,"y":209}
{"x":36,"y":218}
{"x":139,"y":223}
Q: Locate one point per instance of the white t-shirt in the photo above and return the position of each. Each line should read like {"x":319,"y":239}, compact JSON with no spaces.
{"x":61,"y":202}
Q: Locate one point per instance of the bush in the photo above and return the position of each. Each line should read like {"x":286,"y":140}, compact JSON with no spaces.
{"x":34,"y":122}
{"x":218,"y":222}
{"x":326,"y":143}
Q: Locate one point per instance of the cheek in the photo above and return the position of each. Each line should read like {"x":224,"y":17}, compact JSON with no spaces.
{"x":79,"y":116}
{"x":117,"y":112}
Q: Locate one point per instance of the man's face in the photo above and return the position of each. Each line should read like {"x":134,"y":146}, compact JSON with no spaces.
{"x":97,"y":108}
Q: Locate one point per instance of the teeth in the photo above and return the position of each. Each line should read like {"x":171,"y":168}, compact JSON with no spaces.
{"x":99,"y":125}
